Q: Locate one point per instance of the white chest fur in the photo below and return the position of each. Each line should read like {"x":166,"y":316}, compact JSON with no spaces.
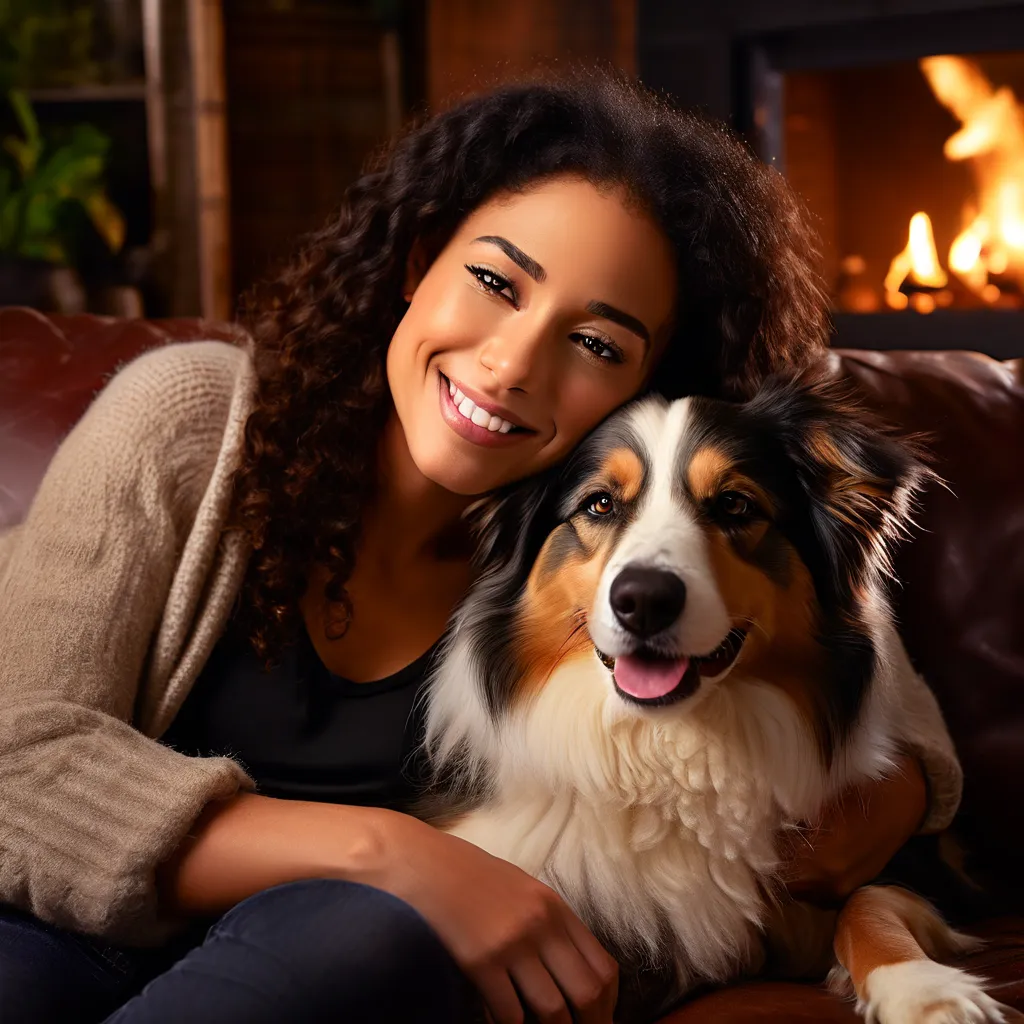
{"x":657,"y":827}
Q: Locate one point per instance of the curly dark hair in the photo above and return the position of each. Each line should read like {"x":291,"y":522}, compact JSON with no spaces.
{"x":749,"y":300}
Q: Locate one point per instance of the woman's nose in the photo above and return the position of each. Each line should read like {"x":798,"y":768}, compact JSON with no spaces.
{"x":516,"y":356}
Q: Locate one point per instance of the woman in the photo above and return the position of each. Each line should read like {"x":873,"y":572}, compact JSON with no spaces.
{"x":514,"y":270}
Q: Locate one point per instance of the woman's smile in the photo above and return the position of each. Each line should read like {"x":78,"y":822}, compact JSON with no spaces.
{"x":477,"y":420}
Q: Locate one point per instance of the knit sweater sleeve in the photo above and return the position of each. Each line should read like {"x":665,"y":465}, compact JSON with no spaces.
{"x":923,"y":732}
{"x":89,"y":806}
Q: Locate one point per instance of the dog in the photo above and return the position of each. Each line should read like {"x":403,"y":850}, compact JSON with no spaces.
{"x":681,"y":645}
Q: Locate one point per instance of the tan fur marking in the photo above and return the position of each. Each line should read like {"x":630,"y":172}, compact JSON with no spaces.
{"x":779,"y":649}
{"x":851,"y":492}
{"x":711,"y":472}
{"x":883,"y":925}
{"x":552,"y":612}
{"x":706,"y":470}
{"x":626,"y":472}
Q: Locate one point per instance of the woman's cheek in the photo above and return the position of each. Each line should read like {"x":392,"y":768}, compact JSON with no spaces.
{"x":587,"y":399}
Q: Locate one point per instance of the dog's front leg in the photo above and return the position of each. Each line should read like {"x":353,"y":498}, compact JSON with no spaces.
{"x":887,"y":942}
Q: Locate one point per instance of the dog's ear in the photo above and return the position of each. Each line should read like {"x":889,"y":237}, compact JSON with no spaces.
{"x":862,"y":480}
{"x":511,"y":524}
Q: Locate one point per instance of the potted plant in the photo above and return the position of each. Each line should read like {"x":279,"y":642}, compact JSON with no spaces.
{"x":50,"y":190}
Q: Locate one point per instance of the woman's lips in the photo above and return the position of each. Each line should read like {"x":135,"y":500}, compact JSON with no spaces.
{"x":468,"y":429}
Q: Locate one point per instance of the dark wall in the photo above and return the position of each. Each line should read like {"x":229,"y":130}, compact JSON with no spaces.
{"x":309,"y":99}
{"x":700,"y":51}
{"x":474,"y":43}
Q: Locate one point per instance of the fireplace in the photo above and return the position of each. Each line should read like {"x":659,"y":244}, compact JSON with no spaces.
{"x":903,"y":132}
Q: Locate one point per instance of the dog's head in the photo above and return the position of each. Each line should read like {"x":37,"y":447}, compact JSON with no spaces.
{"x":688,"y":544}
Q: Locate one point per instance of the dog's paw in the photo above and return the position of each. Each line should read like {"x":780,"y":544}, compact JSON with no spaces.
{"x":925,"y":992}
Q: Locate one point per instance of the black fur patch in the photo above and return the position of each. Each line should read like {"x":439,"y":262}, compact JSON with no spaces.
{"x":771,"y":440}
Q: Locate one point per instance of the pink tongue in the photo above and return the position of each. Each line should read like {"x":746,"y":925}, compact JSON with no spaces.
{"x":649,"y":679}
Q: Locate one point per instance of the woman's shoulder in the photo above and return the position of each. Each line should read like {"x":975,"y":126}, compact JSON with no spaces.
{"x":165,"y":420}
{"x":182,"y":389}
{"x":184,"y":373}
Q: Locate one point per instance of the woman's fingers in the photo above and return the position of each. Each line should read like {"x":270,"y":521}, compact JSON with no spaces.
{"x":558,"y":987}
{"x":539,"y":991}
{"x":500,"y":996}
{"x":600,"y":961}
{"x":590,"y":992}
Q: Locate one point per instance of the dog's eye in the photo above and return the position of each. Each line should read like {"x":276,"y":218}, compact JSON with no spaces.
{"x":735,"y":505}
{"x":600,"y":504}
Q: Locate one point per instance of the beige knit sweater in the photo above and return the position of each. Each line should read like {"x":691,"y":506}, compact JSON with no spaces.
{"x":113,"y":592}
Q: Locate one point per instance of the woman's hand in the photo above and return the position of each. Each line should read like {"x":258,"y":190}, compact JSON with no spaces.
{"x":856,"y":837}
{"x":513,"y":936}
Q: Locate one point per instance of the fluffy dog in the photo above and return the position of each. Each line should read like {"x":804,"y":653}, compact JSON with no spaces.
{"x":682,"y":644}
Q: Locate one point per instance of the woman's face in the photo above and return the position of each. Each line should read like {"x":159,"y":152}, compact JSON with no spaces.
{"x":545,"y":312}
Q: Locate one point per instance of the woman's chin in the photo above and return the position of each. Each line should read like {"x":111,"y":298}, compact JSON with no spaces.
{"x":468,"y":481}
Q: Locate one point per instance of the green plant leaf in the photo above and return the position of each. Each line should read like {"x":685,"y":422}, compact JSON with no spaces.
{"x":86,"y":138}
{"x":27,"y":151}
{"x":40,"y":217}
{"x":43,"y":249}
{"x":68,"y":172}
{"x":26,"y":116}
{"x":61,"y":190}
{"x":107,"y":220}
{"x":10,"y":221}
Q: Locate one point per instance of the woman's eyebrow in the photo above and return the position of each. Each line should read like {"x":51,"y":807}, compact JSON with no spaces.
{"x":538,"y":273}
{"x":516,"y":255}
{"x":623,"y":319}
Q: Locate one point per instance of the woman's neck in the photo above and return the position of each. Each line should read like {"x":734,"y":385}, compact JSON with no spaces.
{"x":412,"y":567}
{"x":410,"y":517}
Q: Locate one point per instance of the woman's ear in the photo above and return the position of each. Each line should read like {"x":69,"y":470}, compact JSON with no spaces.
{"x":416,"y":267}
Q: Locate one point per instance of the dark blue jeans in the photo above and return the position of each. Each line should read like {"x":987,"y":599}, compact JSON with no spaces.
{"x":301,"y":953}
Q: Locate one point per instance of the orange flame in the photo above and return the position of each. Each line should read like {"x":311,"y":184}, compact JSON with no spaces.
{"x":919,"y":262}
{"x":992,"y":139}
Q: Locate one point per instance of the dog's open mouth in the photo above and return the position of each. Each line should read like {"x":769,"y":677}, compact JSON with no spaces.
{"x":647,"y":678}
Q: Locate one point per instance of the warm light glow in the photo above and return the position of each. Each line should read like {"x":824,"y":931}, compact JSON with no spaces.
{"x":924,"y":260}
{"x":991,"y":138}
{"x":918,"y":263}
{"x":922,"y":302}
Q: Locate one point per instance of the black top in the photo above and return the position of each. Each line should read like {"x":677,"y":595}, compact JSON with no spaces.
{"x":304,"y":733}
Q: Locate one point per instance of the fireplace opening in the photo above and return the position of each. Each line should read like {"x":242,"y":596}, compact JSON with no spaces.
{"x":914,"y":173}
{"x":901,"y":124}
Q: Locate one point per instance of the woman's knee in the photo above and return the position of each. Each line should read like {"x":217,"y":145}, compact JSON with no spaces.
{"x":342,"y":948}
{"x":47,"y":974}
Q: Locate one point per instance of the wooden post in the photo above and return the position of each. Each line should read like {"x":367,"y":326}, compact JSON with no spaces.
{"x":206,"y":47}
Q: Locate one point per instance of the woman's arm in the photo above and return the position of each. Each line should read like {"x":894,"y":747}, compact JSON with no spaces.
{"x":241,"y":846}
{"x":858,"y":836}
{"x":88,"y":804}
{"x":511,"y":935}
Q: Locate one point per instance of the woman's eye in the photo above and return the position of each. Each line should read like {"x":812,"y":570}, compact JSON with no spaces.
{"x":493,"y":282}
{"x":735,"y":505}
{"x":601,"y":505}
{"x":599,"y":348}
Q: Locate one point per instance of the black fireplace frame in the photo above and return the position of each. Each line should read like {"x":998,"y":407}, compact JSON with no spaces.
{"x":728,"y":58}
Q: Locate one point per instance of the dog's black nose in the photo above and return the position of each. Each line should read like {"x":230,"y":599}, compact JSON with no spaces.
{"x":646,"y":601}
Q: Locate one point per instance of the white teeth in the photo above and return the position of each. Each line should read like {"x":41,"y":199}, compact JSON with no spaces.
{"x":471,"y":411}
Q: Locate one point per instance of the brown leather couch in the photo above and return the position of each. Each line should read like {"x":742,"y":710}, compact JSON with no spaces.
{"x":961,"y":603}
